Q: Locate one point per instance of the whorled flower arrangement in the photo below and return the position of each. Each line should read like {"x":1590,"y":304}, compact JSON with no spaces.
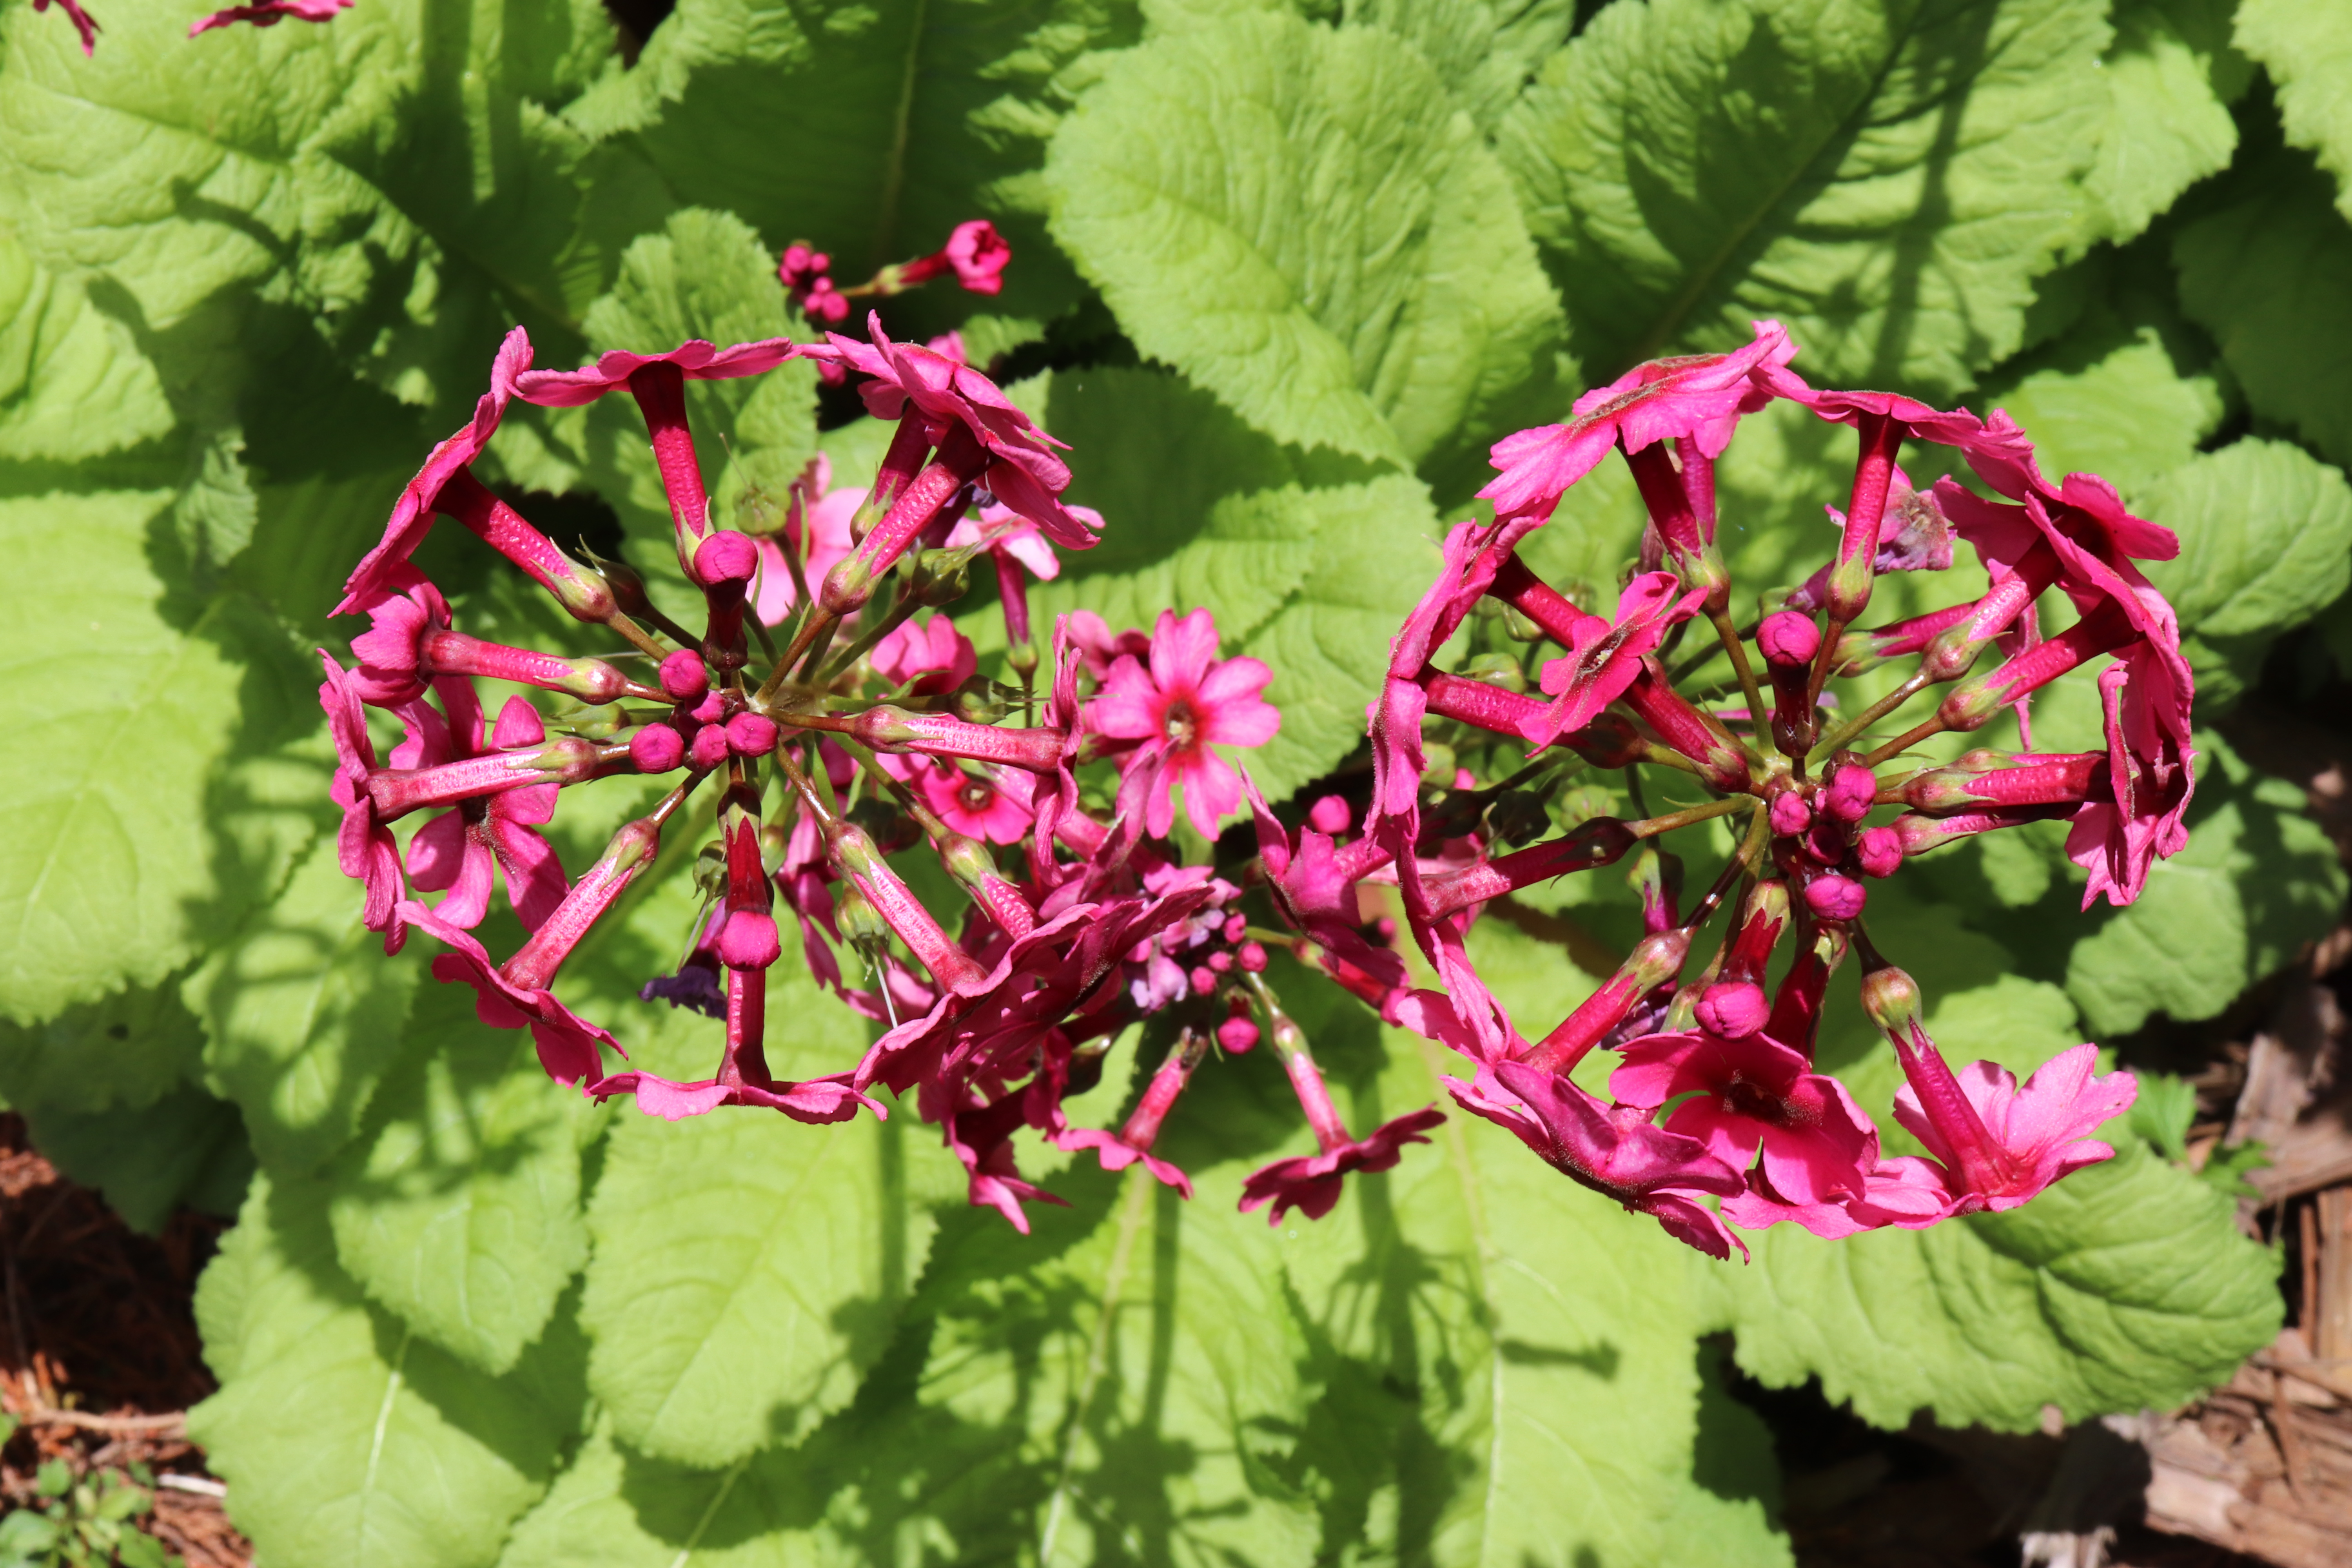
{"x":867,"y":718}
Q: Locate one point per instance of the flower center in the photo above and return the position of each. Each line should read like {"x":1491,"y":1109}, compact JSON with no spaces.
{"x":976,"y":794}
{"x":1179,"y":724}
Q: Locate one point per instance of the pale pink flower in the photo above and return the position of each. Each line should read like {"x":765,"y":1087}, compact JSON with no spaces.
{"x":2003,"y":1144}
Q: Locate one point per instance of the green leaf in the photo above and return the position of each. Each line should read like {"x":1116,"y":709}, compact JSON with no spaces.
{"x":73,"y":384}
{"x":118,"y":762}
{"x":303,"y":1011}
{"x":1366,"y":288}
{"x":1484,"y":51}
{"x":869,"y":131}
{"x":2171,"y":73}
{"x":344,"y":1435}
{"x":2258,"y":880}
{"x":183,"y":1148}
{"x":460,"y":1206}
{"x":2307,"y":50}
{"x":1886,"y":180}
{"x":2124,"y":1286}
{"x":129,"y":1049}
{"x":2265,"y":539}
{"x":2112,"y":403}
{"x":2265,"y":272}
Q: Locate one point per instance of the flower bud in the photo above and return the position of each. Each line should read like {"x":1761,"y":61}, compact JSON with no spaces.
{"x":1251,"y":958}
{"x":751,"y":734}
{"x":1331,"y":815}
{"x":748,"y":939}
{"x":726,"y":556}
{"x":1789,"y":814}
{"x":683,"y":679}
{"x":1835,"y":898}
{"x":709,"y":748}
{"x":1892,"y":999}
{"x":1238,"y":1034}
{"x":1853,"y":791}
{"x":1733,"y":1010}
{"x":1880,"y":850}
{"x":1789,"y":637}
{"x":656,"y":749}
{"x":1204,"y":980}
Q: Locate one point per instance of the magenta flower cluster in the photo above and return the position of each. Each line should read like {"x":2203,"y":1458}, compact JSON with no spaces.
{"x":864,"y":730}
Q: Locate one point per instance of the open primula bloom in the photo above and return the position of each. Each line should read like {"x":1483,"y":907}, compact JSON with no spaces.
{"x":861,"y":730}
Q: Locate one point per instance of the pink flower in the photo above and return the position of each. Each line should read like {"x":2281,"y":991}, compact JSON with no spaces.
{"x":1188,"y":702}
{"x":998,"y":807}
{"x":817,"y":1100}
{"x":1817,"y":1143}
{"x":802,"y":272}
{"x":1908,"y":1193}
{"x":1698,"y":396}
{"x":271,"y":12}
{"x":936,"y":658}
{"x":87,"y":25}
{"x":2008,"y":1144}
{"x":981,"y":1138}
{"x":388,"y":673}
{"x":412,"y":514}
{"x":458,"y":848}
{"x":1096,"y":648}
{"x":567,"y":1044}
{"x":979,"y":255}
{"x":1132,"y":1142}
{"x":1615,"y":1152}
{"x":1315,"y":881}
{"x":1603,"y":660}
{"x":1310,"y":1182}
{"x":2118,"y":840}
{"x":816,"y":530}
{"x":1021,"y":470}
{"x":364,"y":847}
{"x":695,"y":359}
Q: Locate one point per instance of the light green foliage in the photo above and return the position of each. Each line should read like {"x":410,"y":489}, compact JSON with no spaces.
{"x":1300,"y":221}
{"x":345,"y":1437}
{"x":460,"y":1206}
{"x":2265,"y":539}
{"x":2115,"y":406}
{"x":127,"y":1049}
{"x":2307,"y":50}
{"x":183,"y":1148}
{"x":2258,"y":880}
{"x":2126,"y":1285}
{"x":303,"y":1012}
{"x":124,"y":704}
{"x":869,"y":131}
{"x":1887,"y":181}
{"x":72,"y":382}
{"x":2266,"y":272}
{"x":1485,"y":50}
{"x":2171,"y":74}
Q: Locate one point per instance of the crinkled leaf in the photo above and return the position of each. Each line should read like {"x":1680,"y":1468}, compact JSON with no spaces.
{"x":2115,"y":406}
{"x":303,"y":1012}
{"x":1301,"y":221}
{"x":183,"y":1148}
{"x":2258,"y":880}
{"x":1484,"y":51}
{"x":2124,"y":1286}
{"x":459,"y":1207}
{"x":2265,"y":538}
{"x":128,"y":1050}
{"x":2307,"y":50}
{"x":868,"y":130}
{"x":2269,"y":272}
{"x":72,"y":380}
{"x":2171,"y":74}
{"x":346,"y":1438}
{"x":1887,"y":179}
{"x":127,"y":714}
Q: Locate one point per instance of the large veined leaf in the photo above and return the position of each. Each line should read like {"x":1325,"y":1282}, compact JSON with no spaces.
{"x":1301,"y":221}
{"x":184,"y":1148}
{"x":867,"y":131}
{"x":2307,"y":50}
{"x":2265,"y":539}
{"x":2171,"y":74}
{"x":304,"y":1014}
{"x":345,"y":1437}
{"x":129,"y":1049}
{"x":1485,"y":50}
{"x":1887,"y":180}
{"x":2258,"y":880}
{"x":2269,"y":272}
{"x":398,"y":186}
{"x":2112,"y":403}
{"x":460,"y":1206}
{"x":126,"y":712}
{"x":72,"y":382}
